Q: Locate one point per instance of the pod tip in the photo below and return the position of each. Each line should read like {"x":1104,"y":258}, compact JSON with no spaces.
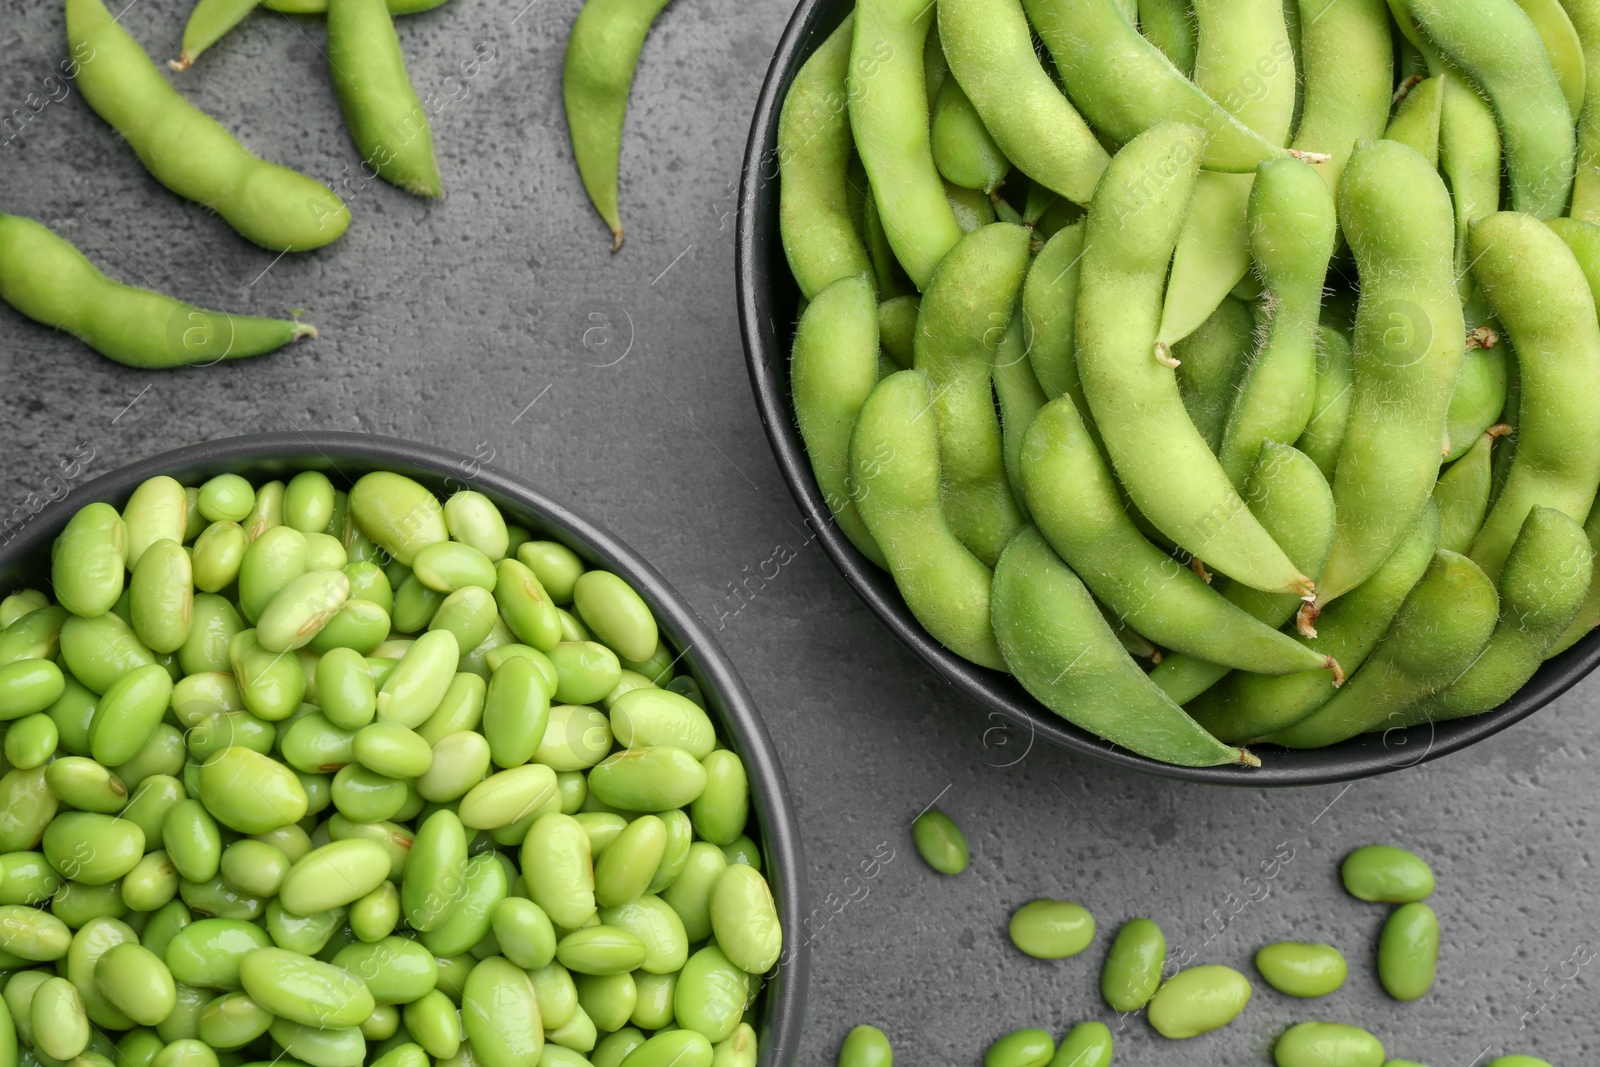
{"x":182,"y":63}
{"x":616,"y":239}
{"x":305,"y":331}
{"x":1305,"y":620}
{"x":1247,"y":758}
{"x":1164,"y":355}
{"x":1338,"y":672}
{"x":1199,"y":568}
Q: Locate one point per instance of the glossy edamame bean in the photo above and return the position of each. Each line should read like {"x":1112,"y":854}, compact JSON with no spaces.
{"x":500,"y":1014}
{"x":226,"y":498}
{"x":304,"y":990}
{"x":270,"y":205}
{"x":722,"y":809}
{"x":1301,"y":969}
{"x":597,"y":72}
{"x":744,"y":919}
{"x":1044,"y":618}
{"x":1132,"y":970}
{"x":1538,"y":291}
{"x":1408,"y":350}
{"x":20,"y":603}
{"x":1079,"y":510}
{"x":940,"y":842}
{"x":56,"y":1017}
{"x":92,"y":848}
{"x":397,"y":513}
{"x":615,"y":614}
{"x":251,"y":793}
{"x":645,"y":717}
{"x":1311,"y":1044}
{"x":895,"y":454}
{"x":1499,"y":47}
{"x":1051,"y":929}
{"x":1386,"y":874}
{"x":28,"y":687}
{"x":990,"y":51}
{"x":690,"y":893}
{"x":1021,"y":1048}
{"x":1408,"y":951}
{"x":84,"y":784}
{"x":301,"y":608}
{"x":31,"y":740}
{"x":1177,"y":484}
{"x":137,"y":982}
{"x":507,"y":796}
{"x":416,"y":686}
{"x":208,"y":953}
{"x":555,"y":565}
{"x":814,"y":150}
{"x":865,"y":1046}
{"x":161,"y":596}
{"x":1442,"y":627}
{"x":128,"y":713}
{"x":90,"y":556}
{"x":1198,"y":1000}
{"x":656,"y":778}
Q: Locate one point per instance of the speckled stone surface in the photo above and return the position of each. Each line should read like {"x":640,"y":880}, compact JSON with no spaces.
{"x":496,"y":323}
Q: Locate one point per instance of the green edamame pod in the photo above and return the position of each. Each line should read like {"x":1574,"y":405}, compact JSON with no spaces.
{"x":964,"y":314}
{"x":1292,"y":234}
{"x":1537,"y":289}
{"x":1416,"y":120}
{"x":1294,"y":503}
{"x":1044,"y":619}
{"x":1245,"y":62}
{"x":273,"y":206}
{"x":1132,"y":971}
{"x":1408,"y":951}
{"x":1019,"y":397}
{"x":602,"y":54}
{"x":990,"y":51}
{"x":1125,"y":85}
{"x":1462,"y":493}
{"x":90,"y":557}
{"x":814,"y":150}
{"x":1545,"y":581}
{"x":1169,"y":25}
{"x":889,"y":117}
{"x":1318,"y":1044}
{"x":208,"y":23}
{"x":1198,"y":1000}
{"x":1161,"y":458}
{"x":894,"y":455}
{"x":897,"y":329}
{"x":1588,"y":614}
{"x":1347,"y":55}
{"x":1442,"y":627}
{"x":1497,"y":44}
{"x":1585,"y":18}
{"x":833,"y":369}
{"x":1049,"y":306}
{"x":1210,"y":363}
{"x":50,"y":281}
{"x":963,"y":149}
{"x":1079,"y":511}
{"x":1409,"y":343}
{"x":1302,"y":970}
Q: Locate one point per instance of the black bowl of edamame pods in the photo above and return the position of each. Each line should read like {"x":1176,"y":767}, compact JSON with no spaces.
{"x":994,"y":584}
{"x":686,"y":662}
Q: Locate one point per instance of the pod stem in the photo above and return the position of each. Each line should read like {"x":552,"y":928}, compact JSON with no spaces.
{"x":1164,"y":355}
{"x":304,"y":330}
{"x":1338,"y":672}
{"x":1247,"y":758}
{"x":1411,"y":82}
{"x":616,"y":239}
{"x":182,"y":63}
{"x":1199,"y":568}
{"x":1482,"y":337}
{"x":1305,"y":620}
{"x":1311,"y":157}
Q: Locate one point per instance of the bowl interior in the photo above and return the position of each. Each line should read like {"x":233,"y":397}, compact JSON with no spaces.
{"x":768,"y":307}
{"x":344,"y":457}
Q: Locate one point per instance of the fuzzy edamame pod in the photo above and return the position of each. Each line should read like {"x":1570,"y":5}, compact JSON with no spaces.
{"x":963,"y":149}
{"x":1564,"y":47}
{"x":894,"y":457}
{"x":1049,"y":312}
{"x":1538,"y":291}
{"x":50,"y":281}
{"x":1440,"y":629}
{"x":1247,"y":706}
{"x":1163,"y":462}
{"x":1063,"y":652}
{"x":814,"y":150}
{"x":990,"y":51}
{"x":596,"y":75}
{"x":1019,"y":397}
{"x":1075,"y":503}
{"x":207,"y":24}
{"x":381,"y":109}
{"x":965,"y":311}
{"x":1347,"y":53}
{"x":1292,"y":499}
{"x":1462,"y":493}
{"x":889,"y":116}
{"x":1545,"y":581}
{"x":1585,"y":16}
{"x":1330,"y":407}
{"x":833,"y":368}
{"x":1588,"y":614}
{"x":187,"y":150}
{"x":1409,"y":341}
{"x":1124,"y":85}
{"x":1416,"y":120}
{"x":1169,"y":25}
{"x":1292,"y":234}
{"x":1496,"y":43}
{"x":1210,"y":363}
{"x":1246,"y":64}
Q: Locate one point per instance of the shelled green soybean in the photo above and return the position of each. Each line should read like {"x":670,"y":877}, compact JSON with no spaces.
{"x":337,"y":779}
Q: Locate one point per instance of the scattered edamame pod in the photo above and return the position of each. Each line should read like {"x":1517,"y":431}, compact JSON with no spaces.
{"x":381,"y":109}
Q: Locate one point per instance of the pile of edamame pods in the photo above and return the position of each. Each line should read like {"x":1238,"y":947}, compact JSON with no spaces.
{"x":313,"y":778}
{"x":1181,"y":1000}
{"x":1196,"y":366}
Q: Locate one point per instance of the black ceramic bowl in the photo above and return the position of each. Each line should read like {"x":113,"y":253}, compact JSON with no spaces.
{"x":344,"y":457}
{"x":768,"y":302}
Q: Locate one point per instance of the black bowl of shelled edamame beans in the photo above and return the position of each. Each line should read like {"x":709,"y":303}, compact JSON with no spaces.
{"x":770,"y":305}
{"x":275,"y":876}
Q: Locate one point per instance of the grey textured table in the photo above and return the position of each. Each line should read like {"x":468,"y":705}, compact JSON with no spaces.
{"x":496,"y":323}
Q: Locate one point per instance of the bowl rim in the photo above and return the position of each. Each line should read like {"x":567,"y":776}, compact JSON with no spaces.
{"x":727,"y":697}
{"x":766,"y":292}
